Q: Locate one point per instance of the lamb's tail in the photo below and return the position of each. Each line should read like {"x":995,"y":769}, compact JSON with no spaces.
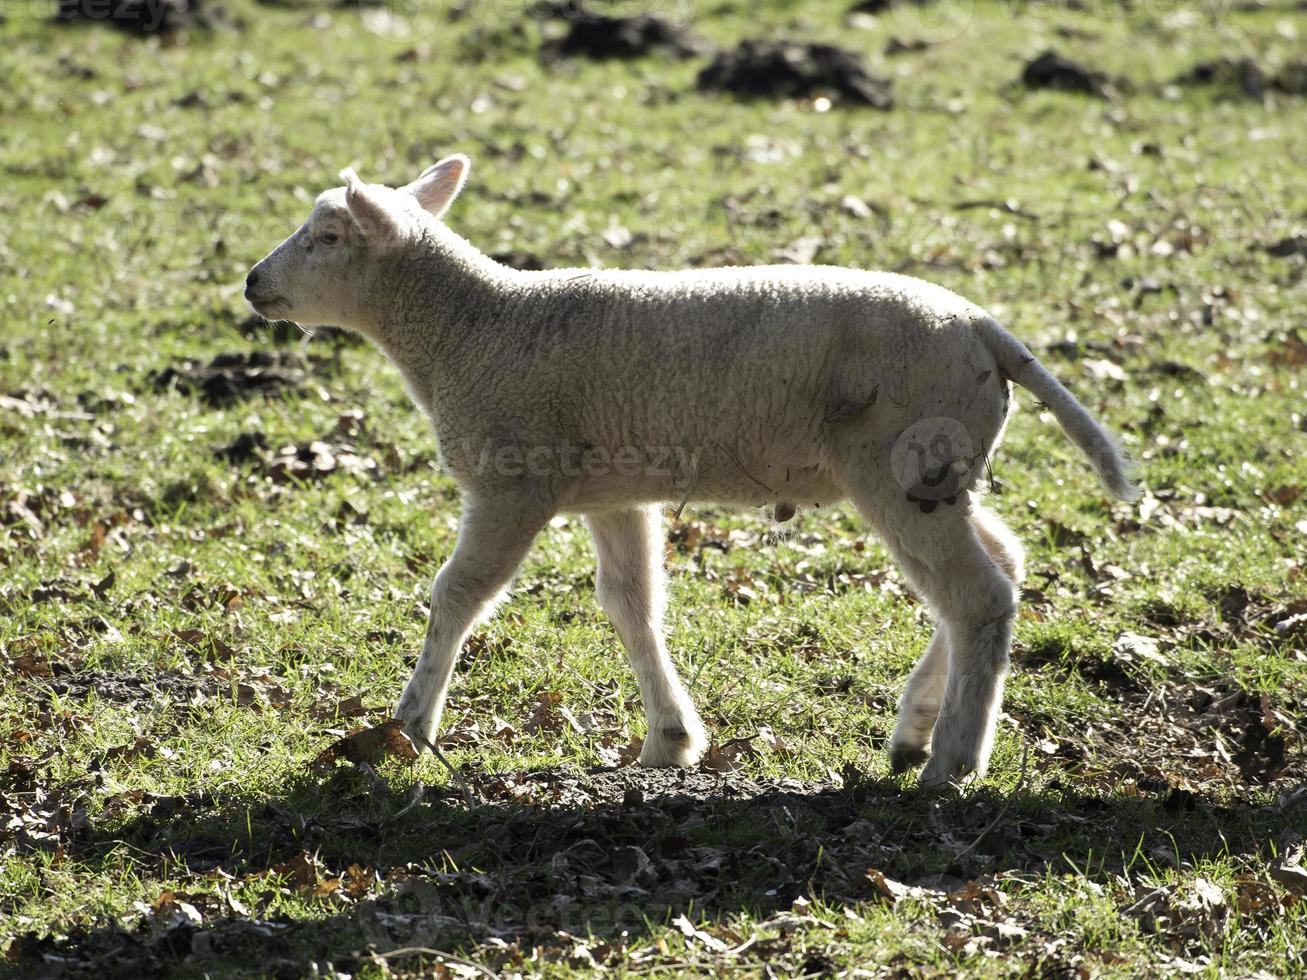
{"x":1114,"y":467}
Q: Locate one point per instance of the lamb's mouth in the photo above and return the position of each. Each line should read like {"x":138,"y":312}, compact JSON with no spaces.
{"x":264,"y":307}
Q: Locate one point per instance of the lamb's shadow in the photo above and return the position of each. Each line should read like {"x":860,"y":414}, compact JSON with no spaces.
{"x":560,"y":854}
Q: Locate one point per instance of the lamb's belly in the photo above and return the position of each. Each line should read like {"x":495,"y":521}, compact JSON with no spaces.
{"x":711,"y":476}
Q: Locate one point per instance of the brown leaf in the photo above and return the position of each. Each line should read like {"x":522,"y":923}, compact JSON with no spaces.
{"x":358,"y":881}
{"x":545,"y":718}
{"x":1291,"y":876}
{"x":728,"y":757}
{"x":301,"y":871}
{"x":33,"y":665}
{"x":370,"y":745}
{"x":621,"y":755}
{"x":886,"y":888}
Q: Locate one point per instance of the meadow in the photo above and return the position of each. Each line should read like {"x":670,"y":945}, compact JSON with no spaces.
{"x":217,"y":535}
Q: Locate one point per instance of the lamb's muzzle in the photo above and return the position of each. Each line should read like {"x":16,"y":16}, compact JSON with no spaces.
{"x":610,"y":393}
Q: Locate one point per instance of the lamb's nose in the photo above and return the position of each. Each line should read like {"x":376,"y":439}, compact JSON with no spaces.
{"x":252,"y":280}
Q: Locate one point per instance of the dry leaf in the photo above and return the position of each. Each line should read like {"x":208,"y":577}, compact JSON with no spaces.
{"x":370,"y":745}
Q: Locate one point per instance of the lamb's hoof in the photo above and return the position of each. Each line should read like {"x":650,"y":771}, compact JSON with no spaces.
{"x":672,"y":747}
{"x":421,"y":735}
{"x":905,"y":757}
{"x":941,"y":772}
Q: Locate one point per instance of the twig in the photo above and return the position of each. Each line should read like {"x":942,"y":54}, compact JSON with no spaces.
{"x":1007,"y":803}
{"x":447,"y":957}
{"x":736,"y":460}
{"x":1011,"y":207}
{"x":468,"y":798}
{"x":415,"y":797}
{"x":676,"y":514}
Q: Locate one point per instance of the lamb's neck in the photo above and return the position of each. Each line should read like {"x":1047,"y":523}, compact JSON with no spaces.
{"x":438,"y":301}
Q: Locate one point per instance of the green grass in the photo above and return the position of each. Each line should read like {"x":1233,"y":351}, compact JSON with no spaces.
{"x":142,"y":180}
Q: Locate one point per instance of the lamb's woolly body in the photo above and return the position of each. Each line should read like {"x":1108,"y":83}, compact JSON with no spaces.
{"x":608,"y":392}
{"x":744,"y":370}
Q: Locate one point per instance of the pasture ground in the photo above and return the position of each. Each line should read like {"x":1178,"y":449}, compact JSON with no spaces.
{"x":214,"y":570}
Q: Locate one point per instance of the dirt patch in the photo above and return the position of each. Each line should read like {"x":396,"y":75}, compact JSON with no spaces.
{"x":1244,"y":76}
{"x":787,"y":69}
{"x":522,"y":261}
{"x":1241,"y":75}
{"x":881,"y":6}
{"x":145,"y":17}
{"x":1203,"y":742}
{"x":229,"y":378}
{"x":598,"y":36}
{"x":1292,"y":78}
{"x":245,"y":447}
{"x":634,"y":786}
{"x":1054,"y":71}
{"x":121,"y":688}
{"x":1287,"y":247}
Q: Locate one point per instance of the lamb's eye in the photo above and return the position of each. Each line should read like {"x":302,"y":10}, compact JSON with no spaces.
{"x":329,"y":238}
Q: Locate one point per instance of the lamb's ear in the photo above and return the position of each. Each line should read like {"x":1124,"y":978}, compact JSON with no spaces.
{"x":440,"y":184}
{"x":374,"y":219}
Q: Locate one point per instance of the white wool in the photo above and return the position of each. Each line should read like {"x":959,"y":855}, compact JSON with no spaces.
{"x":610,"y":393}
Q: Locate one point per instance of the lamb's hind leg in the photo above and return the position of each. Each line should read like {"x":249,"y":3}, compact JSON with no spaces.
{"x":919,"y":705}
{"x":943,"y":555}
{"x":630,"y":584}
{"x":923,"y":694}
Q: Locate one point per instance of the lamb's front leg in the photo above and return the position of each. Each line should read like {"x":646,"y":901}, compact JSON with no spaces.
{"x":630,"y":584}
{"x":493,"y":536}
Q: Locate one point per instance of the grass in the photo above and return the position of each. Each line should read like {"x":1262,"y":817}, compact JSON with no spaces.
{"x":179,"y":630}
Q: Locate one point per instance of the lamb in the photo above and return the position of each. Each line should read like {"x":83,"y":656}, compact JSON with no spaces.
{"x":612,"y":393}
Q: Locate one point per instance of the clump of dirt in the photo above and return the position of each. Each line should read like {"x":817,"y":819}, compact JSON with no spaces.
{"x":242,"y":449}
{"x":598,"y":36}
{"x":1054,"y":71}
{"x":880,"y":6}
{"x":1235,"y":74}
{"x":1246,"y":77}
{"x":229,"y":378}
{"x":789,"y":69}
{"x":1292,"y":78}
{"x":522,"y":261}
{"x":145,"y":17}
{"x":1288,"y":246}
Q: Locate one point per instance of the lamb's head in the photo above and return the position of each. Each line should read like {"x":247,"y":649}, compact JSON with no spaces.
{"x":324,"y":273}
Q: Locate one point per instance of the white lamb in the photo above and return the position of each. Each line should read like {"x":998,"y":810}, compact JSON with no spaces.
{"x":611,"y":393}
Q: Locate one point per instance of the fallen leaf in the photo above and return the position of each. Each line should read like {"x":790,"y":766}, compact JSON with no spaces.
{"x":370,"y":745}
{"x":1291,"y":876}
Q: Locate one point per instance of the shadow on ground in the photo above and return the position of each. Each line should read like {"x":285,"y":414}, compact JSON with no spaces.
{"x":556,"y":854}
